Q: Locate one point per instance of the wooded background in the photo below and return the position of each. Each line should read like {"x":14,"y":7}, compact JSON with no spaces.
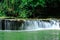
{"x":30,"y":8}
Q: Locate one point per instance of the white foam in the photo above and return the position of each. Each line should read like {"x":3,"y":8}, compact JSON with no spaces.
{"x":30,"y":30}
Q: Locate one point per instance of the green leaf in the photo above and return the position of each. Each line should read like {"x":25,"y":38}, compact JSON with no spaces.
{"x":12,"y":1}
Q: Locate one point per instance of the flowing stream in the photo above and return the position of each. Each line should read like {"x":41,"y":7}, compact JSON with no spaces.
{"x":29,"y":24}
{"x":37,"y":24}
{"x":22,"y":25}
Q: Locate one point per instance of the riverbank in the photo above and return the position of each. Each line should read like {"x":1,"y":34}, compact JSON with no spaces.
{"x":17,"y":19}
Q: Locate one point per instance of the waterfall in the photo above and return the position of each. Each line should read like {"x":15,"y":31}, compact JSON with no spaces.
{"x":37,"y":24}
{"x":29,"y":24}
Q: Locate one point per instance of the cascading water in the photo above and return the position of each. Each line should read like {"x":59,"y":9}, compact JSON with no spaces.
{"x":29,"y":24}
{"x":38,"y":24}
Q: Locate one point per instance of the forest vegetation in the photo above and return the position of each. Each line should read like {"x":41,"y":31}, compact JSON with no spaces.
{"x":30,"y":8}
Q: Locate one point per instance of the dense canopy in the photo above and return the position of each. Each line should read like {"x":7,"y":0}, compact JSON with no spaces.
{"x":29,"y":8}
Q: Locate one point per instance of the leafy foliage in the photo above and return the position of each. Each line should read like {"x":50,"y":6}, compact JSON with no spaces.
{"x":25,"y":8}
